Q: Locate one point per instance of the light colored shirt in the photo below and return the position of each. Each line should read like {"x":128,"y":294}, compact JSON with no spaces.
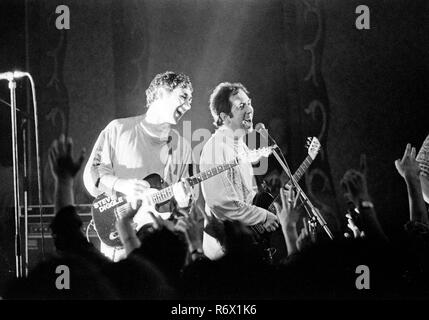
{"x":125,"y":149}
{"x":228,"y":195}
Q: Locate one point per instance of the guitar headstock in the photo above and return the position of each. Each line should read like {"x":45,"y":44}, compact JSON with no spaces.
{"x":313,"y":146}
{"x":256,"y":154}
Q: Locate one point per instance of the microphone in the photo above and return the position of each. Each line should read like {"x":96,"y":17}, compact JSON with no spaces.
{"x":260,"y":128}
{"x":12,"y":75}
{"x":6,"y":76}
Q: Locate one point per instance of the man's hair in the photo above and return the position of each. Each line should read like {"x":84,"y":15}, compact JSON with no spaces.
{"x":219,"y":100}
{"x":169,"y":80}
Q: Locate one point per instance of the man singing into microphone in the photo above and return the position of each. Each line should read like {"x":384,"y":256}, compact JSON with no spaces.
{"x":130,"y":149}
{"x":229,"y":195}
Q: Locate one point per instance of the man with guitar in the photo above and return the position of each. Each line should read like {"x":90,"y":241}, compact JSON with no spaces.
{"x":229,"y":195}
{"x":130,"y":149}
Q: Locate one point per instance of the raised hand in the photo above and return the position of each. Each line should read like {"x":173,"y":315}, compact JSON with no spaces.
{"x":354,"y":185}
{"x":159,"y":223}
{"x":408,"y":167}
{"x":192,"y":229}
{"x":61,"y":162}
{"x":288,"y":215}
{"x":354,"y":228}
{"x":304,"y":239}
{"x":125,"y":227}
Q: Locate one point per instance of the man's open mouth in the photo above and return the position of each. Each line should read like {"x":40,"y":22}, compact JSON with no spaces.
{"x":180,"y":111}
{"x":247,"y":120}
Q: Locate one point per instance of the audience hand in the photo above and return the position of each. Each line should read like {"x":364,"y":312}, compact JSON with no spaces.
{"x":355,"y":186}
{"x":408,"y":167}
{"x":192,"y":229}
{"x":126,"y":229}
{"x":61,"y":162}
{"x":304,"y":239}
{"x":287,"y":214}
{"x":353,"y":227}
{"x":288,"y":217}
{"x":159,"y":223}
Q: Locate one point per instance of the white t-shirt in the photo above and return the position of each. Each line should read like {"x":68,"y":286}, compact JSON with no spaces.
{"x":125,"y":150}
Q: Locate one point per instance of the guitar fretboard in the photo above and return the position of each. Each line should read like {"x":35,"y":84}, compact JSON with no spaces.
{"x":297,"y":176}
{"x":258,"y":228}
{"x":167,"y":193}
{"x":163,"y":195}
{"x":211,"y":172}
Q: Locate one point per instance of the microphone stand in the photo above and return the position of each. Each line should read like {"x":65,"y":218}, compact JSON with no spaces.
{"x":10,"y":76}
{"x":312,"y":211}
{"x":18,"y":254}
{"x":26,"y":189}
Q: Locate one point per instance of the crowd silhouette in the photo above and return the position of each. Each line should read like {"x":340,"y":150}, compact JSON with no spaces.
{"x":166,"y":263}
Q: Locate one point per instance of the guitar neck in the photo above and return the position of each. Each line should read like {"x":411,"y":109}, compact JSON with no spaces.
{"x":301,"y":170}
{"x":167,"y":193}
{"x":206,"y":174}
{"x":297,"y":176}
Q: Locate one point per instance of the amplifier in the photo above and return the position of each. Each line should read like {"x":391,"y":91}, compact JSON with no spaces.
{"x":35,"y":231}
{"x":49,"y":210}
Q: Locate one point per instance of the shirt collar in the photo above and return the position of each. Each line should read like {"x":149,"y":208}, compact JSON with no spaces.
{"x":228,"y":132}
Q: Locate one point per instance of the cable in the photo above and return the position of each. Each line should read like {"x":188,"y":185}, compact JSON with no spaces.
{"x":39,"y":176}
{"x":87,"y":229}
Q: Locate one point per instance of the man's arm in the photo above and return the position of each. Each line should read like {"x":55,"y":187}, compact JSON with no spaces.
{"x":409,"y":169}
{"x":99,"y":165}
{"x":354,"y":183}
{"x":288,"y":218}
{"x":221,"y":194}
{"x":99,"y":175}
{"x":64,"y":168}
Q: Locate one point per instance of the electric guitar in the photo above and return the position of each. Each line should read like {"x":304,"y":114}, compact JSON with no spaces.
{"x":266,"y":201}
{"x":107,"y":209}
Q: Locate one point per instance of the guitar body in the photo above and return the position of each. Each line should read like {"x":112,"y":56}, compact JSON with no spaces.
{"x":263,"y":199}
{"x":272,"y":244}
{"x":107,"y":209}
